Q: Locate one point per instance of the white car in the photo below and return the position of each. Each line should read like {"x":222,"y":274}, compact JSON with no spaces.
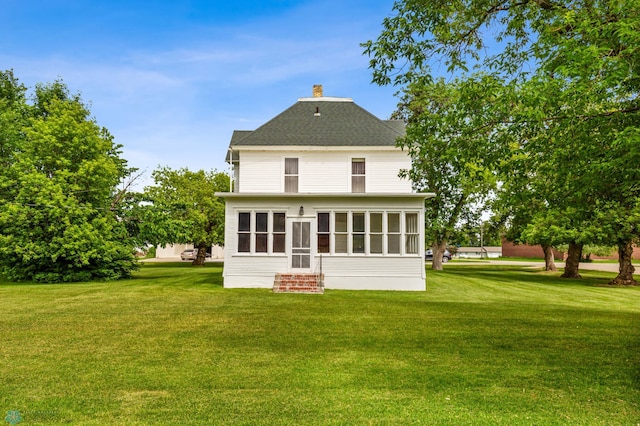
{"x":189,"y":254}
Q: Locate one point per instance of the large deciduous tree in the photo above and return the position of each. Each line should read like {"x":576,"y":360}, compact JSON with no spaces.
{"x":574,"y":108}
{"x":454,"y":153}
{"x":182,"y":208}
{"x":59,"y":177}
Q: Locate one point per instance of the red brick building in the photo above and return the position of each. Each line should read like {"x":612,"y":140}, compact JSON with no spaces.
{"x":510,"y":249}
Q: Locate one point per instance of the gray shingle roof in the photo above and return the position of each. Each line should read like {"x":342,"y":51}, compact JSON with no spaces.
{"x":322,"y":122}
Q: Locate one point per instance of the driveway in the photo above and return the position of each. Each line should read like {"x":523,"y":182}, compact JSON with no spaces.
{"x":594,"y":266}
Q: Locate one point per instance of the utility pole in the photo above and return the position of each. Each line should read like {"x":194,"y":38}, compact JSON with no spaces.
{"x":482,"y":251}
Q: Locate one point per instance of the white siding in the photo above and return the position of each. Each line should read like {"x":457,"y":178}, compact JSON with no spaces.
{"x":261,"y":172}
{"x":374,"y":273}
{"x":252,"y":271}
{"x":323,"y":171}
{"x":382,"y":172}
{"x":352,"y":273}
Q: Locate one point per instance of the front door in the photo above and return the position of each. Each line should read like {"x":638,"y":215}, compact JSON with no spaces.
{"x":301,"y":245}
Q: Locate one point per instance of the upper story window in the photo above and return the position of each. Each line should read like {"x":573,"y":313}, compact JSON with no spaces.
{"x":290,"y":175}
{"x":357,"y":175}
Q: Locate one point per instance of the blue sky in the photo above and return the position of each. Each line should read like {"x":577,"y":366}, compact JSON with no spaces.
{"x":171,"y":80}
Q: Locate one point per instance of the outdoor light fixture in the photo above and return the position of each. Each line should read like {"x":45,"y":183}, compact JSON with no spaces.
{"x":301,"y":211}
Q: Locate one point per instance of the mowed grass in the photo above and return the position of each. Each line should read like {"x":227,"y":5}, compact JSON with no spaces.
{"x":483,"y":345}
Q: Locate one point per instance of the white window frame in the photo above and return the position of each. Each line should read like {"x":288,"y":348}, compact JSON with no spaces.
{"x":363,"y":175}
{"x":295,"y":175}
{"x":253,"y":232}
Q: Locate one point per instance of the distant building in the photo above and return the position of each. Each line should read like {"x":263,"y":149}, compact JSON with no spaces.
{"x":510,"y":249}
{"x":478,"y":252}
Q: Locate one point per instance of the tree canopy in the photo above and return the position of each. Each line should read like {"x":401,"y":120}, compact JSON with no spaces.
{"x":565,"y":114}
{"x":59,"y":178}
{"x":181,"y":208}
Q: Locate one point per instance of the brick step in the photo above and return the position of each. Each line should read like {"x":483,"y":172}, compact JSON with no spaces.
{"x":298,"y":283}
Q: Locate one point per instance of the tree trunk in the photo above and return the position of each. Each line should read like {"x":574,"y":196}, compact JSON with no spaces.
{"x":573,"y":261}
{"x":438,"y":252}
{"x":202,"y":254}
{"x":549,"y":261}
{"x":625,"y":276}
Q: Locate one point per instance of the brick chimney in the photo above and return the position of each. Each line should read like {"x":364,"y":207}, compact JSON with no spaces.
{"x":317,"y":90}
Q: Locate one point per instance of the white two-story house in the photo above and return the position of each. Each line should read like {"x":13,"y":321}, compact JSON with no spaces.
{"x":317,"y":190}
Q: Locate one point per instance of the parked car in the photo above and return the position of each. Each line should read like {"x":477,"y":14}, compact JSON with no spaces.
{"x":428,"y":255}
{"x":191,"y":254}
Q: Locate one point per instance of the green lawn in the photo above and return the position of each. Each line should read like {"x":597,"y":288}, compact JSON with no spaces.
{"x":483,"y":345}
